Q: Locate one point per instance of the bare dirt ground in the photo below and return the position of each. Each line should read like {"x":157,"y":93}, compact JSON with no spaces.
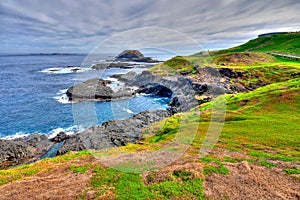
{"x":57,"y":184}
{"x":247,"y":181}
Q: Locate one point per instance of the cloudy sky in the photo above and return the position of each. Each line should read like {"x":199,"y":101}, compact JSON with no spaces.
{"x":79,"y":26}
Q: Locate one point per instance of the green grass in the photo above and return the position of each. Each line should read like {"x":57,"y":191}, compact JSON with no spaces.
{"x":260,"y":154}
{"x":169,"y":127}
{"x":214,"y":165}
{"x":267,"y":164}
{"x":270,"y":121}
{"x":80,"y":169}
{"x":267,"y":74}
{"x":292,"y":171}
{"x":131,"y":186}
{"x":243,"y":59}
{"x":284,"y":43}
{"x":221,"y":169}
{"x":178,"y":64}
{"x":18,"y":173}
{"x":259,"y":60}
{"x":250,"y":55}
{"x":183,"y":175}
{"x":67,"y":156}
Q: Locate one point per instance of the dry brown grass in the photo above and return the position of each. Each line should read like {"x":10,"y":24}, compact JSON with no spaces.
{"x":55,"y":183}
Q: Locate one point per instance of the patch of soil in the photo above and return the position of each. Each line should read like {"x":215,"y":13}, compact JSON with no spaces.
{"x":247,"y":181}
{"x":57,"y":184}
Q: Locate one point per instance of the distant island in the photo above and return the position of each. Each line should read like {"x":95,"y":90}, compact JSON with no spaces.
{"x":135,"y":56}
{"x":126,"y":59}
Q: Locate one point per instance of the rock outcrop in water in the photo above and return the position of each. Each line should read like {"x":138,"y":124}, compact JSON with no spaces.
{"x":96,"y":89}
{"x":135,"y":56}
{"x":90,"y":89}
{"x":130,"y":54}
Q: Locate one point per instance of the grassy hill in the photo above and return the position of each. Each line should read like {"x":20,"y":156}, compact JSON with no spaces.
{"x":283,"y":43}
{"x":254,"y":53}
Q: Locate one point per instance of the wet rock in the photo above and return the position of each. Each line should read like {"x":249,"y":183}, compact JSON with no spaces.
{"x":74,"y":143}
{"x":200,"y":88}
{"x":113,"y":133}
{"x":230,"y":73}
{"x":61,"y":136}
{"x":155,"y":89}
{"x":20,"y":150}
{"x":122,"y":65}
{"x":125,"y":77}
{"x":212,"y":71}
{"x":91,"y":89}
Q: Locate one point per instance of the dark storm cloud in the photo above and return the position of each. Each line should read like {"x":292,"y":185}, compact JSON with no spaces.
{"x":34,"y":25}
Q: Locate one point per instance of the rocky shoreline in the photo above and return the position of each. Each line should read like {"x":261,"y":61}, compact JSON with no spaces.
{"x":182,"y":91}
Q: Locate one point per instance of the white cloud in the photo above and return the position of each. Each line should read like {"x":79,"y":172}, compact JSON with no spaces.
{"x":81,"y":25}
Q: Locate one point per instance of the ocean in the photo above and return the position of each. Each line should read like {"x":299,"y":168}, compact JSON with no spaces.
{"x":33,"y":101}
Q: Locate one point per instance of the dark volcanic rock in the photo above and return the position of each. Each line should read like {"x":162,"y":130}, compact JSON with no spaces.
{"x":134,"y":55}
{"x":200,"y":88}
{"x":17,"y":151}
{"x":145,"y":59}
{"x":61,"y":136}
{"x":97,"y":89}
{"x":181,"y":88}
{"x":125,"y":77}
{"x":230,"y":73}
{"x":90,"y":89}
{"x":113,"y":133}
{"x":121,"y":65}
{"x":130,"y":54}
{"x":155,"y":89}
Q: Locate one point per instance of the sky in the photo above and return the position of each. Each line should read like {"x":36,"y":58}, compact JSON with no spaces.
{"x":33,"y":26}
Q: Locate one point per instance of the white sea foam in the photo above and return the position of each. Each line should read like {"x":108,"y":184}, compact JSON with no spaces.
{"x":66,"y":70}
{"x":62,"y":97}
{"x":115,"y":85}
{"x":69,"y":131}
{"x":128,"y":110}
{"x":16,"y":135}
{"x":99,"y":61}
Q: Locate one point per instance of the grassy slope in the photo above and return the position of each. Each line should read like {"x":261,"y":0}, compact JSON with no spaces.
{"x":283,"y":43}
{"x":266,"y":118}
